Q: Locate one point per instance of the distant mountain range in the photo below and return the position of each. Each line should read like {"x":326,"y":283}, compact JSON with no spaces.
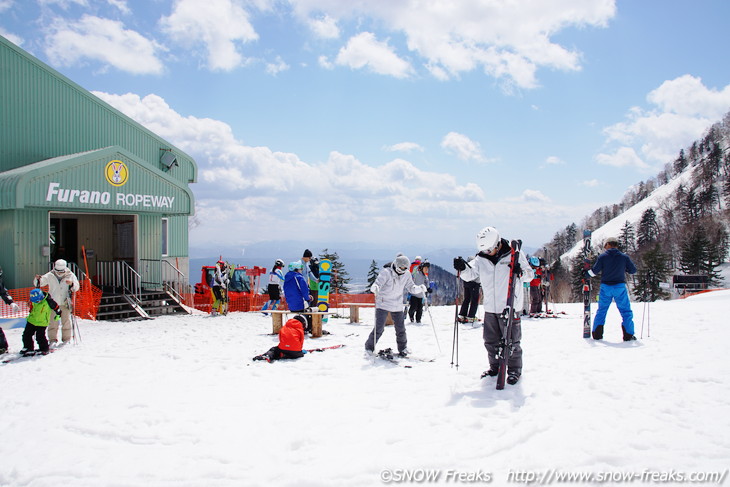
{"x":356,"y":257}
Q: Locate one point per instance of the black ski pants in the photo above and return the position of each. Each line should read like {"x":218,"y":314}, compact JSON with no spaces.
{"x":493,"y":331}
{"x":471,"y":299}
{"x":415,"y":308}
{"x":40,"y":336}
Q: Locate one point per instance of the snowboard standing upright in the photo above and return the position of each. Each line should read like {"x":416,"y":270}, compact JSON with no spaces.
{"x":323,"y":294}
{"x":505,"y":345}
{"x":586,"y":286}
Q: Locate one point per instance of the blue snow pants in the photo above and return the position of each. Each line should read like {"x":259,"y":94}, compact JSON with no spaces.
{"x":620,"y":294}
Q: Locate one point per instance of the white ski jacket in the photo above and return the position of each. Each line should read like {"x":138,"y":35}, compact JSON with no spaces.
{"x":389,"y":287}
{"x":494,"y":280}
{"x":58,"y":286}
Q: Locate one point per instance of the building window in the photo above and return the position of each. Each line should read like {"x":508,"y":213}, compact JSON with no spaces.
{"x":164,"y":237}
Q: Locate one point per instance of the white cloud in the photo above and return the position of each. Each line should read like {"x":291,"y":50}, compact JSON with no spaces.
{"x":533,"y":195}
{"x":365,"y":51}
{"x":5,"y":4}
{"x":325,"y":27}
{"x":463,"y":147}
{"x":18,"y":41}
{"x":218,"y":25}
{"x":554,"y":161}
{"x":591,"y":183}
{"x":103,"y":40}
{"x":404,"y":147}
{"x":121,"y":5}
{"x":277,"y":66}
{"x":324,"y":62}
{"x":65,"y":4}
{"x":681,"y":110}
{"x":623,"y":157}
{"x":507,"y":40}
{"x":241,"y":189}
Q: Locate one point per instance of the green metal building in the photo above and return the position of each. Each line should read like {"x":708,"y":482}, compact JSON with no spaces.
{"x":77,"y":174}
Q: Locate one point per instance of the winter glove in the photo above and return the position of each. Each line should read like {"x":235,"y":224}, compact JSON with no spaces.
{"x":375,"y":289}
{"x":459,"y":263}
{"x":518,"y":269}
{"x":429,"y":290}
{"x":15,"y":307}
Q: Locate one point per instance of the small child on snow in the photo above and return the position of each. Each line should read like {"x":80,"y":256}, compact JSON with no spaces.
{"x":291,"y":341}
{"x":41,"y":306}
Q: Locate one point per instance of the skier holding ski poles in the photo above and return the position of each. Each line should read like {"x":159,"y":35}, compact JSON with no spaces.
{"x":492,"y":266}
{"x":388,"y":288}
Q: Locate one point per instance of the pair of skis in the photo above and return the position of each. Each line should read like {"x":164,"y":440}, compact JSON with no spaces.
{"x":505,"y":347}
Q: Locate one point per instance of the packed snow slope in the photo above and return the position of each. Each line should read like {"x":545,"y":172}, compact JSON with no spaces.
{"x":178,"y":402}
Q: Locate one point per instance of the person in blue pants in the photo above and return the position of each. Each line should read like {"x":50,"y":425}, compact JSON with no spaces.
{"x":613,"y":266}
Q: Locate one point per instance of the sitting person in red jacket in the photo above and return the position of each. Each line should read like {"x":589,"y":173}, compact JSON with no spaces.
{"x":291,"y":341}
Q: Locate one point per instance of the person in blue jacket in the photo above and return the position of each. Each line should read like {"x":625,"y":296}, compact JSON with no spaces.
{"x":296,"y":291}
{"x":613,"y":266}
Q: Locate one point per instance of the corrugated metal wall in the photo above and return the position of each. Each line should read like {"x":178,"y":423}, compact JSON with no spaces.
{"x":45,"y":115}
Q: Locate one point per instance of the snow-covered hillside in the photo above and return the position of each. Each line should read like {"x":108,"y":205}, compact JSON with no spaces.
{"x":655,"y":200}
{"x":178,"y":402}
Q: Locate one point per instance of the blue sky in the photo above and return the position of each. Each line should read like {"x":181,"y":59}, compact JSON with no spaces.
{"x":397,"y":121}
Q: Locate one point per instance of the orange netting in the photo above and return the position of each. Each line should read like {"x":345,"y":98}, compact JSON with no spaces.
{"x":88,"y":298}
{"x":254,"y":302}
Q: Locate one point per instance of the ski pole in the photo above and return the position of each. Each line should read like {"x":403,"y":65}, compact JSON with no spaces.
{"x":455,"y":339}
{"x":428,"y":308}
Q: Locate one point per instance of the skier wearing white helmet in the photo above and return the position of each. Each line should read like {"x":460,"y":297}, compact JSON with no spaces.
{"x":491,"y":267}
{"x":62,"y":283}
{"x":388,"y":288}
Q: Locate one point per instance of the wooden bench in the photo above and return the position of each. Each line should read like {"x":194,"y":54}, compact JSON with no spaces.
{"x":355,"y":310}
{"x":278,"y":315}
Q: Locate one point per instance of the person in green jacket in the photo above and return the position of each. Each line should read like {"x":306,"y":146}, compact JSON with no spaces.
{"x":41,"y":305}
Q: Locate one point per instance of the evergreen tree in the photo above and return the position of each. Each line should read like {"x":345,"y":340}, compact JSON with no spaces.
{"x":648,"y":228}
{"x":653,"y":269}
{"x":626,"y":237}
{"x":340,"y":279}
{"x":372,"y":275}
{"x":694,"y":253}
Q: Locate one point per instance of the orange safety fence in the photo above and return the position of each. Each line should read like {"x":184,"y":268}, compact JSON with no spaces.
{"x":88,"y":298}
{"x":254,"y":302}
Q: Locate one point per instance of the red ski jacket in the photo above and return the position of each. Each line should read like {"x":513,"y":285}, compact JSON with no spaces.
{"x":291,"y":336}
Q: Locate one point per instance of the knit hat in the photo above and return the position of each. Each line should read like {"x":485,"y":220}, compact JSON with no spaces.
{"x":401,"y":264}
{"x":307,"y":253}
{"x":60,"y":266}
{"x":611,"y":240}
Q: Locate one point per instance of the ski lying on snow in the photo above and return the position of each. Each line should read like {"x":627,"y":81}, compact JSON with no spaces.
{"x":25,"y":355}
{"x":322,"y":349}
{"x":390,"y":356}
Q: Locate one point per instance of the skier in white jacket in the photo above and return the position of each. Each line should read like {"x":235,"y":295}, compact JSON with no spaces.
{"x":388,"y":288}
{"x":62,"y":283}
{"x":491,"y":266}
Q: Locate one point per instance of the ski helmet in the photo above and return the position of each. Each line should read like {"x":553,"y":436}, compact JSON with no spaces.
{"x":401,"y":264}
{"x":487,"y":239}
{"x":60,"y":266}
{"x":279,"y":263}
{"x":36,"y":295}
{"x":535,"y":261}
{"x":295,"y":266}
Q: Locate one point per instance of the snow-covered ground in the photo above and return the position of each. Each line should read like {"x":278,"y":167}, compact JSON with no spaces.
{"x":178,"y":402}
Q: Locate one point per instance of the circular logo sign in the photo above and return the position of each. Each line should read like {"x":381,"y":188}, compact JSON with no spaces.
{"x":117,"y":173}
